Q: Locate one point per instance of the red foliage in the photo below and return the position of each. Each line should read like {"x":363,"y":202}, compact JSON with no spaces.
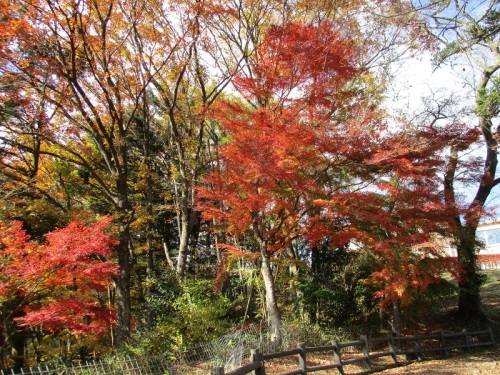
{"x":312,"y":158}
{"x":313,"y":62}
{"x":58,"y":283}
{"x":272,"y":161}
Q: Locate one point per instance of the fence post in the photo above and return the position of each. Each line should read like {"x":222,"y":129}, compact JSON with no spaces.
{"x":336,"y":356}
{"x":217,"y":371}
{"x":136,"y":362}
{"x":392,"y":350}
{"x":467,"y":343}
{"x":94,"y":365}
{"x":442,"y":342}
{"x":302,"y":358}
{"x":419,"y":346}
{"x":257,"y":357}
{"x":366,"y":351}
{"x":492,"y":338}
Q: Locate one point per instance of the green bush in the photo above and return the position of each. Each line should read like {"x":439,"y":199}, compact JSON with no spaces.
{"x":201,"y":312}
{"x":188,"y":313}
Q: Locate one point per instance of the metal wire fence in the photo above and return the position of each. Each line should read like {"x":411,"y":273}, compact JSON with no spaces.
{"x":157,"y":365}
{"x":233,"y":350}
{"x":230,"y":351}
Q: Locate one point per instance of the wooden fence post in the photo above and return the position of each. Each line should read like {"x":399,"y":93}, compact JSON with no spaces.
{"x":419,"y":346}
{"x":442,"y":342}
{"x":492,"y":338}
{"x":366,"y":351}
{"x":217,"y":371}
{"x":392,"y":350}
{"x":337,"y":356}
{"x":467,"y":343}
{"x":302,"y":358}
{"x":257,"y":357}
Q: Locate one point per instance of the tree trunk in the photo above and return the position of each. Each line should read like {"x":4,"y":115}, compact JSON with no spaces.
{"x":271,"y":303}
{"x":469,"y":283}
{"x":188,"y":220}
{"x":184,"y":232}
{"x":123,"y":288}
{"x":396,"y":315}
{"x":469,"y":301}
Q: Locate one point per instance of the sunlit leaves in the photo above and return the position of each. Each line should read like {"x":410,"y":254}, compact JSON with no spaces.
{"x":61,"y":284}
{"x":310,"y":157}
{"x":285,"y":151}
{"x":295,"y":61}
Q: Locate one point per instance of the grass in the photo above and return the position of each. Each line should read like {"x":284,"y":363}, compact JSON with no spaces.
{"x":490,"y":297}
{"x":434,"y":310}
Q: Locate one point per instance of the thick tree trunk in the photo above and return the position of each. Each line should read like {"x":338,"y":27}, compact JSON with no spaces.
{"x":469,"y":299}
{"x":185,"y":217}
{"x":271,"y":303}
{"x":123,"y":303}
{"x":18,"y":342}
{"x":188,"y":220}
{"x":469,"y":283}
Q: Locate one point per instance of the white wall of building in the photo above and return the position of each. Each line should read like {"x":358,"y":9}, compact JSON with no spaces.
{"x":489,"y":234}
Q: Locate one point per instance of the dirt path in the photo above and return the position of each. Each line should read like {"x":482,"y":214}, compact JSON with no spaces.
{"x":476,"y":362}
{"x":486,"y":361}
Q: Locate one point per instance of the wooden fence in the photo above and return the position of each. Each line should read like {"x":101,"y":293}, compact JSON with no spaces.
{"x":368,"y":350}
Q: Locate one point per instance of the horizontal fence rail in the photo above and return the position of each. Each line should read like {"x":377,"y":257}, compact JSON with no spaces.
{"x":412,"y":347}
{"x":335,"y":355}
{"x":230,"y":350}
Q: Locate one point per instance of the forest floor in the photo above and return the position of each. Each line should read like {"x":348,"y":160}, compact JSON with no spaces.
{"x":481,"y":361}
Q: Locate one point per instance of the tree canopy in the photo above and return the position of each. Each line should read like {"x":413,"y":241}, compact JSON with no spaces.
{"x":239,"y":144}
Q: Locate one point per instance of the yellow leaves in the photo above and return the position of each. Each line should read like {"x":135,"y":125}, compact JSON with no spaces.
{"x":372,"y":84}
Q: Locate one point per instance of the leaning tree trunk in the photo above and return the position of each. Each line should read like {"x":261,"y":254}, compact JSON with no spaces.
{"x":469,"y":301}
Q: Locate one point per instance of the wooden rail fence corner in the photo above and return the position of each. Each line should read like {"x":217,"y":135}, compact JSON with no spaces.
{"x":396,"y":346}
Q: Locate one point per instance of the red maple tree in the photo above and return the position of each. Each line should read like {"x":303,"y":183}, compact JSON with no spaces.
{"x":59,"y":285}
{"x":309,"y":155}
